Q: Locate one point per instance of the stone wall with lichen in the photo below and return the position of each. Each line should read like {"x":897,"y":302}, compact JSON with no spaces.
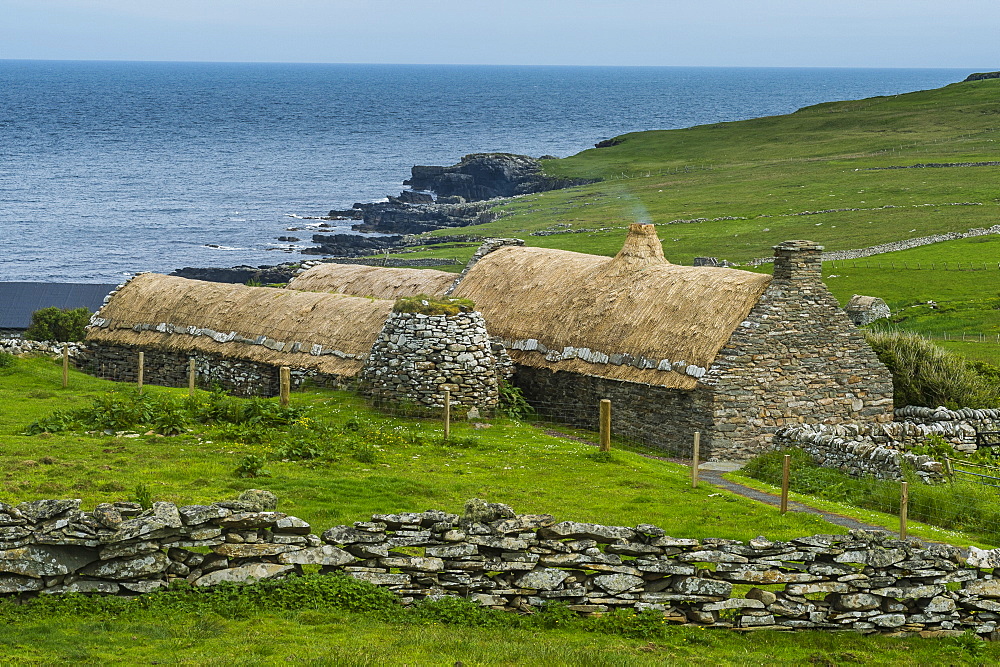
{"x":863,"y":581}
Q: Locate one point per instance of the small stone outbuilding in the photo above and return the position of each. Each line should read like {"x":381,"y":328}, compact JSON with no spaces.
{"x":866,"y":309}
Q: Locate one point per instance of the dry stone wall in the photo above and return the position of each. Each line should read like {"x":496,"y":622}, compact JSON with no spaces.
{"x":170,"y":368}
{"x":848,"y":449}
{"x":22,"y":346}
{"x":656,"y":416}
{"x":416,"y":358}
{"x":863,"y":581}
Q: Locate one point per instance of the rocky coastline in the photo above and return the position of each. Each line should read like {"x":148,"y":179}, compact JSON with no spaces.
{"x":463,"y":194}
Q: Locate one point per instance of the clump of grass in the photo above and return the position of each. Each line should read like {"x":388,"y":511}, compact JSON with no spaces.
{"x":431,"y":305}
{"x":928,"y":375}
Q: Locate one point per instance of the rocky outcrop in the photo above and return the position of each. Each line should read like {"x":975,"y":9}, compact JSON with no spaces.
{"x":482,"y":176}
{"x":979,"y":76}
{"x":239,"y":274}
{"x":356,"y":245}
{"x":397,"y":216}
{"x":352,"y":245}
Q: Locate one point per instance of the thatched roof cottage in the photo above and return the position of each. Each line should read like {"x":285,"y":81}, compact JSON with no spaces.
{"x":678,"y":349}
{"x":372,"y":281}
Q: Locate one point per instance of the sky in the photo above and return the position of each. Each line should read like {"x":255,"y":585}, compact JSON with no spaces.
{"x":725,"y":33}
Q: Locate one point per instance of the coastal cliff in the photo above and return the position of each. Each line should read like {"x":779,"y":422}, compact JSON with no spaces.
{"x":482,"y":176}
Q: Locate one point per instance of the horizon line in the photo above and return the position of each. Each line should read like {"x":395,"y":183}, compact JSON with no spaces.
{"x":388,"y":64}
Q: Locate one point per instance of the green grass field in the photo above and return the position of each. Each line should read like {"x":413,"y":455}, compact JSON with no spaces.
{"x":404,"y":466}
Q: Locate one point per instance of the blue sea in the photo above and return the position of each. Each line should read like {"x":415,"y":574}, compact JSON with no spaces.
{"x":109,"y":168}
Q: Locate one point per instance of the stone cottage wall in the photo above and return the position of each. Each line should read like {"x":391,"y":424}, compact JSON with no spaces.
{"x":796,"y":358}
{"x":656,"y":416}
{"x":862,"y":581}
{"x":169,"y":368}
{"x":416,"y":358}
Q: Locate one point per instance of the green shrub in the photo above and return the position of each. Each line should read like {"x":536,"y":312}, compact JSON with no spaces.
{"x":512,"y":402}
{"x":7,"y":360}
{"x":142,"y":495}
{"x":925,"y":374}
{"x":252,"y":465}
{"x":432,"y":305}
{"x":171,"y":418}
{"x":57,"y":422}
{"x":59,"y":324}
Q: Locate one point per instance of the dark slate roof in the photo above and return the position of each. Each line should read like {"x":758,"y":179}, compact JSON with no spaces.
{"x":19,"y":300}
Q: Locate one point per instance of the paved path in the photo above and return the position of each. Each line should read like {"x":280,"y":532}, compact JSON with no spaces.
{"x":712,"y":471}
{"x":715,"y":478}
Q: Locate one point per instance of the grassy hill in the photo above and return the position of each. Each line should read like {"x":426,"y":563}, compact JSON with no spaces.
{"x":844,"y":174}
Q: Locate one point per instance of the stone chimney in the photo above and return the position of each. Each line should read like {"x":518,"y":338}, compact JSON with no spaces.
{"x":798,"y":261}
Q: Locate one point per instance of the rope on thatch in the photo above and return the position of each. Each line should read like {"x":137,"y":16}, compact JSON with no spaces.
{"x":329,"y":332}
{"x":636,"y":305}
{"x":372,"y":281}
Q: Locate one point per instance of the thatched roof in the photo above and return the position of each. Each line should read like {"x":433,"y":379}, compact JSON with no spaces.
{"x":632,"y":317}
{"x":374,"y":281}
{"x":331,"y":333}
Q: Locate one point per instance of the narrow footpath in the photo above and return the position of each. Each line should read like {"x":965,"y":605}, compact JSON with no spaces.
{"x":712,"y":473}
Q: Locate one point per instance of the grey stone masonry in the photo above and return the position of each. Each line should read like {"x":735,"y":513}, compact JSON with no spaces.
{"x":863,"y":581}
{"x":170,"y":368}
{"x":417,"y":357}
{"x":22,"y":346}
{"x":796,"y":358}
{"x":852,"y":450}
{"x":662,"y":417}
{"x":866,"y":309}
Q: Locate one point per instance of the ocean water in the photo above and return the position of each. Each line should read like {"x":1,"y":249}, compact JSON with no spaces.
{"x":109,"y":168}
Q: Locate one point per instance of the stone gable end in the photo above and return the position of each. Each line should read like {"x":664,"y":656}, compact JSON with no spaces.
{"x":796,"y":358}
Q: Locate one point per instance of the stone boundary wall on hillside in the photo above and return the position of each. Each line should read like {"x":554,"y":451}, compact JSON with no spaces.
{"x":19,"y":346}
{"x":864,"y":581}
{"x":170,"y":368}
{"x":845,"y":448}
{"x":894,"y":246}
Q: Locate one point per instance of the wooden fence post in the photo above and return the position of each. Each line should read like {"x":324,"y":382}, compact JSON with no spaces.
{"x":695,"y":459}
{"x":191,"y":376}
{"x":785,"y":474}
{"x":447,"y":414}
{"x":285,"y":377}
{"x":141,"y":371}
{"x":65,"y":377}
{"x":605,"y":425}
{"x":904,"y":501}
